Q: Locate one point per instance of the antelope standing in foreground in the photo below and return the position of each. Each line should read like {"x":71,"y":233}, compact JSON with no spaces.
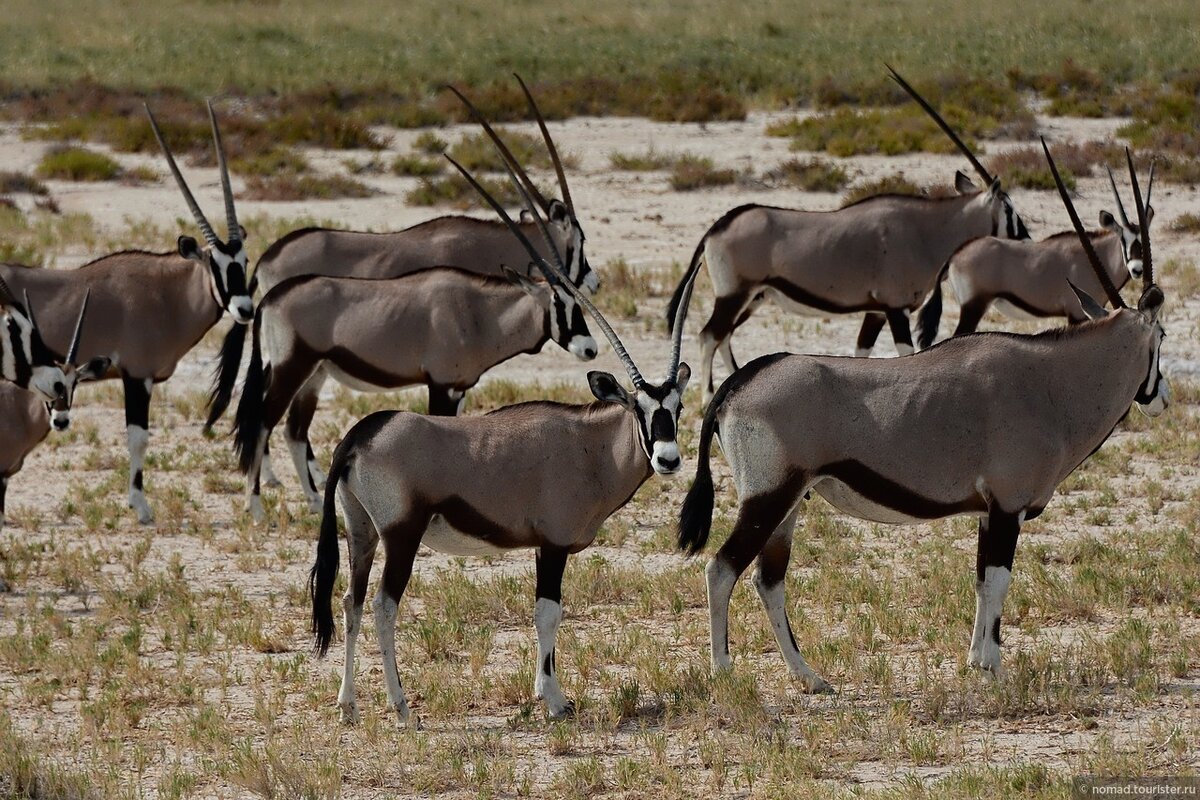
{"x":147,"y":309}
{"x":541,"y":475}
{"x":475,"y":245}
{"x":28,"y":414}
{"x":441,"y":327}
{"x":1030,"y":280}
{"x":1001,"y":420}
{"x":880,"y":255}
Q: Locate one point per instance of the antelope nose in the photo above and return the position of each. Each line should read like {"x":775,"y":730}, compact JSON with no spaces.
{"x":666,"y":466}
{"x":61,"y":423}
{"x":242,"y":309}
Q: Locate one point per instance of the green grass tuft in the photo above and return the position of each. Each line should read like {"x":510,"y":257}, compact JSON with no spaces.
{"x":77,"y":164}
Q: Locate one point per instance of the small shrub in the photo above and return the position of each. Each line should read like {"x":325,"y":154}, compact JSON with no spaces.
{"x":290,"y":186}
{"x":328,"y":129}
{"x":77,"y":164}
{"x":808,"y":175}
{"x":416,"y":166}
{"x":696,"y":172}
{"x":453,"y":190}
{"x":20,"y":183}
{"x":476,"y":152}
{"x":895,"y":183}
{"x":646,"y":161}
{"x":430,"y":144}
{"x":1185,"y":223}
{"x":273,"y":161}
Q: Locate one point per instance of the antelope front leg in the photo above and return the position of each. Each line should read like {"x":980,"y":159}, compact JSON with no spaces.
{"x":265,"y":470}
{"x":546,"y":617}
{"x":993,"y":574}
{"x":872,"y":324}
{"x":897,"y":319}
{"x":137,"y":430}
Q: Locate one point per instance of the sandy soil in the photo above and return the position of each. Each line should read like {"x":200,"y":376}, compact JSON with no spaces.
{"x":627,"y":215}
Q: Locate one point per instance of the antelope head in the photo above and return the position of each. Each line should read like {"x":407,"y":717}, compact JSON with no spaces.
{"x":559,"y":213}
{"x":226,"y":260}
{"x":1154,"y":391}
{"x":656,"y":406}
{"x":30,"y":364}
{"x":1130,"y":233}
{"x":1006,"y":223}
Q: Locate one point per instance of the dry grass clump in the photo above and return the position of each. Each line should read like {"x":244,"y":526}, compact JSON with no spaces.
{"x":77,"y":164}
{"x":808,"y":175}
{"x":20,"y":183}
{"x":649,"y":160}
{"x":1026,"y":168}
{"x":270,"y":162}
{"x":291,"y":186}
{"x":417,"y":166}
{"x":453,"y":190}
{"x":892,"y":183}
{"x":1076,"y":91}
{"x":690,"y":172}
{"x":1188,"y":222}
{"x":476,"y":152}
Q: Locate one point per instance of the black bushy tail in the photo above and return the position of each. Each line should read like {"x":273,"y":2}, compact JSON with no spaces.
{"x":930,"y":315}
{"x":225,"y":375}
{"x":677,"y":296}
{"x":324,"y":571}
{"x":248,"y":422}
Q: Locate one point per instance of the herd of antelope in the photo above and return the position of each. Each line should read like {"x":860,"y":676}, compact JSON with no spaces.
{"x":984,"y":424}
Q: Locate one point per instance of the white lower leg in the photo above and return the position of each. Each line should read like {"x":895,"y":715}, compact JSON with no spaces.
{"x":773,"y":601}
{"x":385,"y":629}
{"x":904,"y":349}
{"x":989,"y":599}
{"x":253,"y":498}
{"x":353,"y":618}
{"x":138,"y":438}
{"x":299,"y":451}
{"x":266,"y":472}
{"x":708,"y":349}
{"x":547,"y":615}
{"x":726,"y":351}
{"x":720,"y":579}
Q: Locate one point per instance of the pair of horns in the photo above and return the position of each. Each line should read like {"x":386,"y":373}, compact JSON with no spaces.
{"x":941,"y":123}
{"x":1117,"y":195}
{"x":1110,"y":290}
{"x":233,"y":230}
{"x":73,"y":350}
{"x":556,"y":274}
{"x":508,"y":157}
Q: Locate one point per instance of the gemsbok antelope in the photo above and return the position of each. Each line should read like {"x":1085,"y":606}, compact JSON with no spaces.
{"x":999,"y":419}
{"x":147,"y":309}
{"x":1029,"y":280}
{"x":880,"y":256}
{"x":476,"y":245}
{"x":440,"y":327}
{"x":540,"y":474}
{"x":29,"y":417}
{"x":25,"y":360}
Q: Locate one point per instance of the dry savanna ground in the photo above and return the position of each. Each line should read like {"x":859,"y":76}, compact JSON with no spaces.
{"x":173,"y":660}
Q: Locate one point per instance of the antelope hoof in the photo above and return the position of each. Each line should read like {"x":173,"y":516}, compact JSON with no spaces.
{"x":349,"y":713}
{"x":255,"y":506}
{"x":565,"y":711}
{"x":314,"y":504}
{"x":142,"y":508}
{"x":815,"y":684}
{"x":271,"y":480}
{"x":988,"y":662}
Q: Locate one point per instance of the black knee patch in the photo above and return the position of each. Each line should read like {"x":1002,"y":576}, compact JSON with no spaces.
{"x":548,"y":664}
{"x":996,"y":630}
{"x":137,"y":480}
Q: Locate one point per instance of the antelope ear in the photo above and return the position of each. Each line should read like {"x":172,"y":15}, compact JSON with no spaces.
{"x":1151,"y":301}
{"x":558,"y":213}
{"x":606,"y":389}
{"x":1108,"y":221}
{"x":994,"y":189}
{"x":526,"y":217}
{"x":94,"y":370}
{"x":682,"y":377}
{"x":963,"y":183}
{"x":189,"y":248}
{"x":1149,"y":215}
{"x":1091,"y":308}
{"x":531,"y":287}
{"x":242,"y":232}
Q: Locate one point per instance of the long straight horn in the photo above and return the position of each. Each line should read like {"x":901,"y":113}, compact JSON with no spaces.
{"x":29,"y":309}
{"x":677,"y":333}
{"x":234,"y":232}
{"x":550,"y":271}
{"x":941,"y":123}
{"x":505,"y":153}
{"x":210,"y":235}
{"x":1114,"y":296}
{"x":1143,"y":228}
{"x":74,"y":350}
{"x":558,"y":167}
{"x":1150,"y":185}
{"x":1117,"y":196}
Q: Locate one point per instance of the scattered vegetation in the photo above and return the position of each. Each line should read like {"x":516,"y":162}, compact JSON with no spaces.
{"x":649,"y":160}
{"x":808,"y":175}
{"x":1185,"y":223}
{"x":77,"y":164}
{"x":416,"y":166}
{"x":690,"y":172}
{"x":892,"y":183}
{"x":453,"y":190}
{"x":291,"y":186}
{"x":20,"y":183}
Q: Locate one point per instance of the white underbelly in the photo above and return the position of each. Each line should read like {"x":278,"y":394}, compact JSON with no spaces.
{"x":848,"y":501}
{"x":788,"y":304}
{"x":1013,"y":312}
{"x":444,"y":538}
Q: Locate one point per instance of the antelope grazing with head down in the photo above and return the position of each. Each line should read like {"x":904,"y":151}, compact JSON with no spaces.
{"x":29,"y":414}
{"x":541,"y":475}
{"x":440,"y":327}
{"x":1000,"y":420}
{"x":474,"y":245}
{"x":1033,"y":280}
{"x":880,"y":256}
{"x":147,"y":309}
